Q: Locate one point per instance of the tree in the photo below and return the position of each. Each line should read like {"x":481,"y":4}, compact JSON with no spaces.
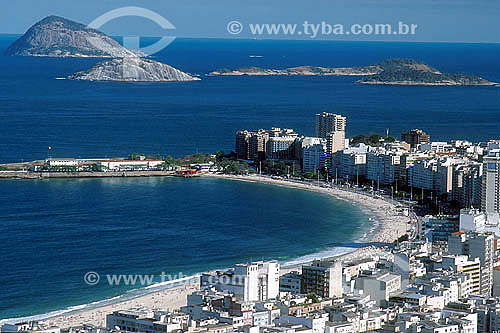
{"x":134,"y":157}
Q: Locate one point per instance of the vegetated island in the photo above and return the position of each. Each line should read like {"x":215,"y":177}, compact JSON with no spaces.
{"x":387,"y":72}
{"x":56,"y":36}
{"x":133,"y":69}
{"x":417,"y":73}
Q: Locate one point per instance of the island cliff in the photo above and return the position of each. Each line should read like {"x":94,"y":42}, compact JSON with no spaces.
{"x":59,"y":37}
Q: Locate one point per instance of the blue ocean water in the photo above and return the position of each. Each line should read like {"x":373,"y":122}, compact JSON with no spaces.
{"x":115,"y":119}
{"x":52,"y":232}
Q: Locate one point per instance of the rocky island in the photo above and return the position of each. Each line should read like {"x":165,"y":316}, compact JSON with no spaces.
{"x":387,"y":72}
{"x":56,"y":36}
{"x":300,"y":70}
{"x":416,"y":73}
{"x":133,"y":69}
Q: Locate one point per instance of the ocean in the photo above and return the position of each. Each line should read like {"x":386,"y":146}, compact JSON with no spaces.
{"x":115,"y":119}
{"x":54,"y":231}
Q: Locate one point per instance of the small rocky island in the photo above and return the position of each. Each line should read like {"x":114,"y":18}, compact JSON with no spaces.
{"x":387,"y":72}
{"x":56,"y":36}
{"x":300,"y":70}
{"x":416,"y":73}
{"x":133,"y":69}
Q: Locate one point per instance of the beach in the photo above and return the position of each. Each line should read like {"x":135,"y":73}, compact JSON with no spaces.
{"x":164,"y":300}
{"x":388,"y":225}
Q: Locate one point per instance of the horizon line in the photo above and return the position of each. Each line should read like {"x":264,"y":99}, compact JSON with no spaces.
{"x":298,"y":39}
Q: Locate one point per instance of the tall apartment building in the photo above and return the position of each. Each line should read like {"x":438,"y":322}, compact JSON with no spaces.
{"x":331,"y":127}
{"x":382,"y":167}
{"x":466,"y":187}
{"x":415,"y":137}
{"x":257,"y":145}
{"x":251,"y":145}
{"x":261,"y":280}
{"x":314,"y":156}
{"x":422,"y":174}
{"x":490,"y":187}
{"x":479,"y":246}
{"x":322,"y":278}
{"x":281,"y":148}
{"x":242,"y":139}
{"x":432,"y":174}
{"x":258,"y":281}
{"x":350,"y":163}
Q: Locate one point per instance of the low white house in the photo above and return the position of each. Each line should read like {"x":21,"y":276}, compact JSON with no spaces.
{"x":53,"y":162}
{"x":125,"y":165}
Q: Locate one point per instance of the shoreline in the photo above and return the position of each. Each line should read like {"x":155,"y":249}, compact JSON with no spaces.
{"x":173,"y":297}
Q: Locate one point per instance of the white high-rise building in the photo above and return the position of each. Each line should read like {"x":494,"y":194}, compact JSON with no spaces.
{"x":313,"y":154}
{"x":258,"y":281}
{"x":490,"y":187}
{"x":261,"y":280}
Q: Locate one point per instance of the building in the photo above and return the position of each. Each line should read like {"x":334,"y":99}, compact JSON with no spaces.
{"x":291,"y":282}
{"x":61,"y":162}
{"x":382,"y":166}
{"x":281,"y":148}
{"x":314,"y":156}
{"x":251,"y":145}
{"x":475,"y":246}
{"x":242,"y":141}
{"x":350,"y":164}
{"x":331,"y":127}
{"x":439,"y":228}
{"x":380,"y":286}
{"x":472,"y":220}
{"x":490,"y":189}
{"x":128,"y":165}
{"x":322,"y":278}
{"x":258,"y":281}
{"x":415,"y":137}
{"x":329,"y":122}
{"x":462,"y":264}
{"x":466,"y":187}
{"x":146,"y":321}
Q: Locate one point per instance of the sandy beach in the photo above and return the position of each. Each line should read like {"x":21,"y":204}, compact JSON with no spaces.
{"x":168,"y":299}
{"x":389,"y":224}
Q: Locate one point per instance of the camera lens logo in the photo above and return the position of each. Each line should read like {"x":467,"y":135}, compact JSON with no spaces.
{"x":133,"y":43}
